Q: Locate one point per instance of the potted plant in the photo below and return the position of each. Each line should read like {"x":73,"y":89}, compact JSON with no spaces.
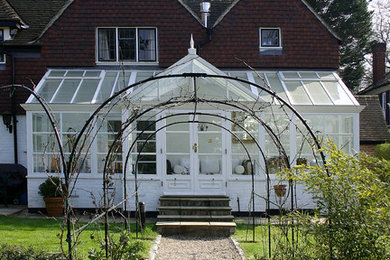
{"x":280,"y":190}
{"x":51,"y":190}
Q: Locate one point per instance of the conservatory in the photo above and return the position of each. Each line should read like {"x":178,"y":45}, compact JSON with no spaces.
{"x":189,"y":129}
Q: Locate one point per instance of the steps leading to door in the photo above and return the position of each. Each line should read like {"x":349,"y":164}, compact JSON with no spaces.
{"x":195,"y":214}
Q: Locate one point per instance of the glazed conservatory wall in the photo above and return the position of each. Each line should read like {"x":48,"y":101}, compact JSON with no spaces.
{"x":342,"y":128}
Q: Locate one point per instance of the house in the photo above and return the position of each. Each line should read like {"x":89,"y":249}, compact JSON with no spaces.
{"x":220,"y":116}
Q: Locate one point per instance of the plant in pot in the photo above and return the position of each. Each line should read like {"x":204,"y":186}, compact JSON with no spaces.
{"x":52,"y":190}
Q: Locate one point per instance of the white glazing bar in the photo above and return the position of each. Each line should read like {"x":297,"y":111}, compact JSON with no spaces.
{"x":284,"y":87}
{"x":254,"y":89}
{"x":346,"y":90}
{"x":58,"y":88}
{"x":133,"y":77}
{"x":77,"y":90}
{"x":116,"y":82}
{"x":293,"y":139}
{"x":39,"y":86}
{"x":102,"y":76}
{"x":307,"y":92}
{"x":327,"y":92}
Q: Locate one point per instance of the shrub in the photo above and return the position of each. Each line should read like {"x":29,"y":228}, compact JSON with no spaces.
{"x":353,"y":215}
{"x":382,"y":151}
{"x":8,"y":252}
{"x":52,"y":187}
{"x":122,"y":248}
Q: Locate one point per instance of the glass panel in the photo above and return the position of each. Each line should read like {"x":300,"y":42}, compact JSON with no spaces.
{"x":339,"y":124}
{"x":114,"y":166}
{"x":44,"y":143}
{"x":107,"y":44}
{"x":75,"y":73}
{"x":68,"y":141}
{"x":92,"y":73}
{"x":147,"y":44}
{"x":210,"y":165}
{"x":57,"y":73}
{"x":48,"y":88}
{"x":174,"y":88}
{"x":146,"y":164}
{"x":305,"y":144}
{"x":276,"y":86}
{"x":111,"y":123}
{"x":127,"y":44}
{"x":178,"y":142}
{"x":241,"y":165}
{"x":67,"y":90}
{"x":107,"y":86}
{"x":178,"y":164}
{"x":308,"y":75}
{"x":41,"y":122}
{"x":86,"y":91}
{"x":297,"y":93}
{"x":178,"y":127}
{"x":247,"y":141}
{"x":278,"y":123}
{"x":83,"y":164}
{"x":236,"y":93}
{"x":147,"y":125}
{"x":241,"y":75}
{"x":290,"y":75}
{"x":210,"y":143}
{"x":73,"y":122}
{"x":326,"y":75}
{"x":209,"y":127}
{"x":271,"y":147}
{"x":337,"y":93}
{"x":46,"y":163}
{"x":276,"y":164}
{"x":244,"y":120}
{"x":270,"y":38}
{"x":146,"y":147}
{"x":209,"y":88}
{"x":317,"y":93}
{"x":123,"y":80}
{"x":105,"y":141}
{"x":143,"y":75}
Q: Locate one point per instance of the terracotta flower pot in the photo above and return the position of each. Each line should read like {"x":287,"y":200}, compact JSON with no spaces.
{"x":280,"y":190}
{"x":54,"y":206}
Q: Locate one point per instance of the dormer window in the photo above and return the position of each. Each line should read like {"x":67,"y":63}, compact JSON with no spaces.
{"x":127,"y":45}
{"x":270,"y":41}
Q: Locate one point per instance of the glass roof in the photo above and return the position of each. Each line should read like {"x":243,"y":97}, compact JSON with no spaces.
{"x":87,"y":86}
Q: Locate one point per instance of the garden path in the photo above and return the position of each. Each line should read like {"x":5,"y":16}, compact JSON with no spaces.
{"x":197,"y":248}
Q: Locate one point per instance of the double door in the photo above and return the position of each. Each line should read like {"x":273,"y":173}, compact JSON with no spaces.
{"x":195,"y":154}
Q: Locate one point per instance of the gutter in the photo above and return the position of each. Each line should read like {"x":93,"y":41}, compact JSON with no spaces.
{"x":209,"y":34}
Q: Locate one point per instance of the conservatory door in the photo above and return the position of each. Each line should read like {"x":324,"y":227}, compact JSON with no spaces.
{"x":194,"y":157}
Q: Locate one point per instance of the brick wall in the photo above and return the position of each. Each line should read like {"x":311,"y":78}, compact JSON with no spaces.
{"x":306,"y":42}
{"x":368,"y":149}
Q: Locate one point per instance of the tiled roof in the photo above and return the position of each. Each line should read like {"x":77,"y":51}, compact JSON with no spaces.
{"x":373,"y":128}
{"x":7,"y":13}
{"x":38,"y":14}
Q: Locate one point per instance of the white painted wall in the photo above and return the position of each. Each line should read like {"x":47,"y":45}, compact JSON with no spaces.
{"x":7,"y":142}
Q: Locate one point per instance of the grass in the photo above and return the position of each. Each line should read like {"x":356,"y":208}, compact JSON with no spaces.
{"x":259,"y":248}
{"x":45,"y":234}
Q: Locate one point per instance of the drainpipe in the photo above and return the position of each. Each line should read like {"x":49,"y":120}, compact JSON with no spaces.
{"x":205,"y":13}
{"x":13,"y":110}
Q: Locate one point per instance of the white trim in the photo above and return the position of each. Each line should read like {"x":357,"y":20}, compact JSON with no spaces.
{"x":77,"y":90}
{"x":102,"y":76}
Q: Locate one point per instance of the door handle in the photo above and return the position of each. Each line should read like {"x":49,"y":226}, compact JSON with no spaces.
{"x":195,"y":148}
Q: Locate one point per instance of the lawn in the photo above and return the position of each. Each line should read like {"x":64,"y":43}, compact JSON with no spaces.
{"x":44,"y":234}
{"x":259,"y":248}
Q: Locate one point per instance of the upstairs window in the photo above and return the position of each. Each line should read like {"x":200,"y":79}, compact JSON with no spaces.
{"x":127,"y":44}
{"x":270,"y":38}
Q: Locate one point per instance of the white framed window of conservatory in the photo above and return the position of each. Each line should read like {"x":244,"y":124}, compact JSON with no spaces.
{"x":126,"y":44}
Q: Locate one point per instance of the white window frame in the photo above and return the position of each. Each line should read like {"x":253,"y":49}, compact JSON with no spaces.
{"x":117,"y":56}
{"x":270,"y":47}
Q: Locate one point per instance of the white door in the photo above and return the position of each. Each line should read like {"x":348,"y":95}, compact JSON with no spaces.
{"x":195,"y":155}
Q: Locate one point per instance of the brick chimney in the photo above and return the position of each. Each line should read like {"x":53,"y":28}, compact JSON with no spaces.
{"x":378,"y":62}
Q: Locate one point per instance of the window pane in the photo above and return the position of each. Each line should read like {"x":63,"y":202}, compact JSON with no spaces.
{"x":127,"y":44}
{"x":147,"y":44}
{"x":66,"y":92}
{"x":86,"y":91}
{"x":107,"y":45}
{"x":270,"y":38}
{"x":48,"y":88}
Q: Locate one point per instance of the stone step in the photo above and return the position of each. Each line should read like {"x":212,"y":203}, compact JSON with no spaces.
{"x":195,"y":201}
{"x":195,"y":218}
{"x":204,"y":228}
{"x":192,"y":208}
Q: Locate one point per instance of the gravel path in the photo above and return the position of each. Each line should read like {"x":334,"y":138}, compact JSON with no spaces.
{"x":196,"y":248}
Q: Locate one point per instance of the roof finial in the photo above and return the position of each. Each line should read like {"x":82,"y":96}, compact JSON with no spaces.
{"x":191,"y":50}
